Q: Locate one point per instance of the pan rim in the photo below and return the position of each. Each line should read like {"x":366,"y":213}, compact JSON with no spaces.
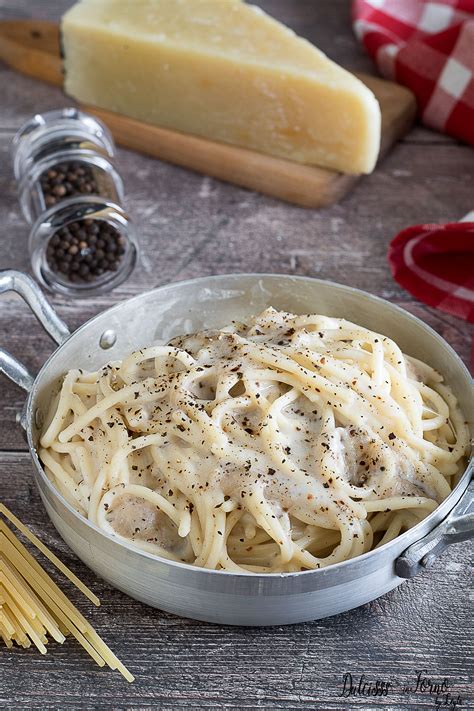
{"x":408,"y":536}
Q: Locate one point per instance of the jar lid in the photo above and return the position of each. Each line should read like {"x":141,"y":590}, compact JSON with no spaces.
{"x":83,"y":246}
{"x":59,"y":128}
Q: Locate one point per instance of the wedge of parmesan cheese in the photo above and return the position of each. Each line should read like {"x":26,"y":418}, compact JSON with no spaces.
{"x":224,"y":70}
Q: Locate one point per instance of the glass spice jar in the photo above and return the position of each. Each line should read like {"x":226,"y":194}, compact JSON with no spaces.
{"x":81,"y":241}
{"x":65,"y":175}
{"x":55,"y":131}
{"x":61,"y":154}
{"x":83,"y":247}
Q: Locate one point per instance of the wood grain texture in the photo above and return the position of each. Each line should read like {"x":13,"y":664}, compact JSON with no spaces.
{"x":191,"y":226}
{"x":32,"y":47}
{"x":186,"y":664}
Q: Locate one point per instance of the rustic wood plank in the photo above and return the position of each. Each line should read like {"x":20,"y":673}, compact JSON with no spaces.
{"x":186,"y":664}
{"x":190,"y":226}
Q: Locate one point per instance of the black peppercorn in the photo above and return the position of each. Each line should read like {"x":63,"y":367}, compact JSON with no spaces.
{"x":74,"y":251}
{"x":67,"y":180}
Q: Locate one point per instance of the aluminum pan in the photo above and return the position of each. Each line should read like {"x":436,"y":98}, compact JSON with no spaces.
{"x":205,"y":303}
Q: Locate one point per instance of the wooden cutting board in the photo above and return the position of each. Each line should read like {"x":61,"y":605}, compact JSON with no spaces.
{"x":32,"y":47}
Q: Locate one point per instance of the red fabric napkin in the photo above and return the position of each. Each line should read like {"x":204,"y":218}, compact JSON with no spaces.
{"x":428,"y":47}
{"x":435,"y":263}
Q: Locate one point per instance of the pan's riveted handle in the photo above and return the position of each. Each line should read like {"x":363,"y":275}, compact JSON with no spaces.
{"x":22,"y":284}
{"x":457,"y":526}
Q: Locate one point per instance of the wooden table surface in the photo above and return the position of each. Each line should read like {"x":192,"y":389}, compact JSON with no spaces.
{"x":191,"y":226}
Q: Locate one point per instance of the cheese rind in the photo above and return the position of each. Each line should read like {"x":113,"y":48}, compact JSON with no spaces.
{"x":223,"y":70}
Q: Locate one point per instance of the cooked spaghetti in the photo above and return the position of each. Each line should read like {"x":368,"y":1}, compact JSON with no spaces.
{"x":285,"y":444}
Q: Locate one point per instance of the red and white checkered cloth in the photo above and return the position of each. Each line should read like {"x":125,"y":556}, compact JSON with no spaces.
{"x":428,"y":47}
{"x":435,"y":263}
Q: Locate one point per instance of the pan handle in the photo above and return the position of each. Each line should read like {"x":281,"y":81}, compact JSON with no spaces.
{"x":457,"y":526}
{"x":22,"y":284}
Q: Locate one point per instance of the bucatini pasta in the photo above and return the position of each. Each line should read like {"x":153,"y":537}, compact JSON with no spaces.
{"x":285,"y":444}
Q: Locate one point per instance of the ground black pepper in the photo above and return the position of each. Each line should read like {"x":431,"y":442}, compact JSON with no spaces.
{"x":85,"y":250}
{"x":67,"y":180}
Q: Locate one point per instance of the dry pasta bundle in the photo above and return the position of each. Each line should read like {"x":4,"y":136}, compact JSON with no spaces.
{"x":32,"y":606}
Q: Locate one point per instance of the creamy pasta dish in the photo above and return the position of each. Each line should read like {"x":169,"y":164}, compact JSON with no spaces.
{"x":285,"y":444}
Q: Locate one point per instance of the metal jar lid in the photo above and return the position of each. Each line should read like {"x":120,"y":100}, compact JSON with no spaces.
{"x":58,"y":130}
